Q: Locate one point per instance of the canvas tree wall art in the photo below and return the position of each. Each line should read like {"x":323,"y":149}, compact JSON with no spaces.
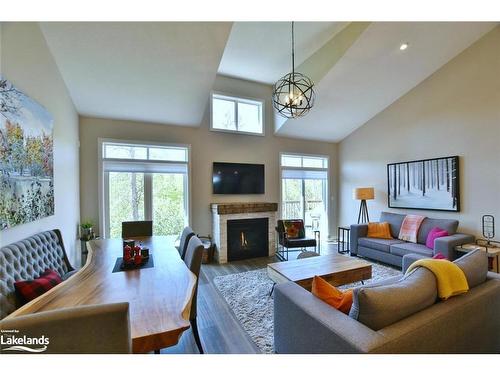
{"x":26,"y":158}
{"x":430,"y":184}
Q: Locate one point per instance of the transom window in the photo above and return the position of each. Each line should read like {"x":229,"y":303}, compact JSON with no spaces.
{"x":233,"y":114}
{"x":303,"y":161}
{"x":144,"y":182}
{"x":116,"y":150}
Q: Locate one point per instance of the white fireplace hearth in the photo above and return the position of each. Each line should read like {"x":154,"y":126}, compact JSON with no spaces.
{"x":222,"y":212}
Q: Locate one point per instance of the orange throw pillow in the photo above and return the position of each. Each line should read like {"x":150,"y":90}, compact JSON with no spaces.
{"x":379,"y":230}
{"x":326,"y":292}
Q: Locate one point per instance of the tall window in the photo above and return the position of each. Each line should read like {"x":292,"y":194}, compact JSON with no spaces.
{"x":144,"y":182}
{"x":304,"y":189}
{"x":241,"y":115}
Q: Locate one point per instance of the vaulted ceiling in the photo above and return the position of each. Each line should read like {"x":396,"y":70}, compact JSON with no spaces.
{"x":163,"y":72}
{"x":153,"y":71}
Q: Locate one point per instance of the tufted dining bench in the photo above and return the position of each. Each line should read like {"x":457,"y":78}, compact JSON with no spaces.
{"x":28,"y":259}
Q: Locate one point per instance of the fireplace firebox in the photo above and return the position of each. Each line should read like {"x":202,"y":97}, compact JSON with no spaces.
{"x":247,"y":238}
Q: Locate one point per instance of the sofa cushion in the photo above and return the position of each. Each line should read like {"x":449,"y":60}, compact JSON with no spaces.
{"x":445,"y":224}
{"x":380,"y":306}
{"x":379,"y":230}
{"x":378,"y":243}
{"x":409,"y":247}
{"x":410,"y":227}
{"x":294,"y":228}
{"x":475,"y":267}
{"x":395,"y":221}
{"x":433,"y":234}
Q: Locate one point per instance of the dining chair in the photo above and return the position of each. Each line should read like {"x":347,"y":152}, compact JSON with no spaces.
{"x":192,"y":259}
{"x":137,"y":229}
{"x":90,"y":329}
{"x":186,"y":235}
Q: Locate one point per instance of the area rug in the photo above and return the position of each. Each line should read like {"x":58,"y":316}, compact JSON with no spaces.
{"x":247,"y":294}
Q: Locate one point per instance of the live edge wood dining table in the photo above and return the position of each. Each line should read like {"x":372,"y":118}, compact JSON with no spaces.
{"x":159,"y":297}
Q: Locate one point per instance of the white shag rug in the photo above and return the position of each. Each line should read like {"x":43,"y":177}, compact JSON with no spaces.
{"x":247,"y":294}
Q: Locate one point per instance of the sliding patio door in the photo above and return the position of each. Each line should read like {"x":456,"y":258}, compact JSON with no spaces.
{"x":144,"y":182}
{"x":304,"y":190}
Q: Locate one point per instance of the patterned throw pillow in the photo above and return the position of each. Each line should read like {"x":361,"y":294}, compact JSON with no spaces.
{"x":294,"y":228}
{"x":29,"y":290}
{"x":409,"y":228}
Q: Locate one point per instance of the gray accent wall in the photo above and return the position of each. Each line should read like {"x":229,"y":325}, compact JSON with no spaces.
{"x":456,"y":111}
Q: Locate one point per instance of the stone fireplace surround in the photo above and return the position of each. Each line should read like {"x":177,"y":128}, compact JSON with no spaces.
{"x":222,"y":212}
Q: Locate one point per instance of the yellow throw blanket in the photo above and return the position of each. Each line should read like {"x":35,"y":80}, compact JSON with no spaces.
{"x":451,"y":280}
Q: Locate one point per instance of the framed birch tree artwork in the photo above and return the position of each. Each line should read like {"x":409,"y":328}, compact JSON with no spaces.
{"x":26,"y":158}
{"x":430,"y":184}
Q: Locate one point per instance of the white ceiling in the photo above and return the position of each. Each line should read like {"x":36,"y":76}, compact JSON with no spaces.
{"x":157,"y":72}
{"x":261,"y":51}
{"x":163,"y":72}
{"x":374,"y":73}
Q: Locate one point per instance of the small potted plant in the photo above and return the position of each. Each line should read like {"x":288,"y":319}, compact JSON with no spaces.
{"x":86,"y":230}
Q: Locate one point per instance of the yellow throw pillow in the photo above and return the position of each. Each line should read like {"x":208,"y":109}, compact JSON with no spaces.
{"x":326,"y":292}
{"x":379,"y":230}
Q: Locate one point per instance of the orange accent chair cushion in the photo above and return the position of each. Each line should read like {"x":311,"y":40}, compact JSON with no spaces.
{"x":326,"y":292}
{"x":379,"y":230}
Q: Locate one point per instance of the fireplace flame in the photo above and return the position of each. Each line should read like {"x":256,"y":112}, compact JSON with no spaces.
{"x":243,"y":240}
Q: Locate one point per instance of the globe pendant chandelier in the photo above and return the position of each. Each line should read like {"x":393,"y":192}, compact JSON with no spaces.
{"x":293,"y":94}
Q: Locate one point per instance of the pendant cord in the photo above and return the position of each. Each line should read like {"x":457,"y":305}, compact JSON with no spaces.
{"x":293,"y":52}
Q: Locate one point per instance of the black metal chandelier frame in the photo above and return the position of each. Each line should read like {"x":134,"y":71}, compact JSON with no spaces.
{"x":293,"y":94}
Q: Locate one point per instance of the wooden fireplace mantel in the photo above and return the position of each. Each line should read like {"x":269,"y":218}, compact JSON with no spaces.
{"x":243,"y":208}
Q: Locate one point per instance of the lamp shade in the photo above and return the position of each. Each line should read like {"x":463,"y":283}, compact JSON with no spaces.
{"x":363,"y":193}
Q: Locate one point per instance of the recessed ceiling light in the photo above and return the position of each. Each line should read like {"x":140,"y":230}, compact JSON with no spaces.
{"x":403,"y":46}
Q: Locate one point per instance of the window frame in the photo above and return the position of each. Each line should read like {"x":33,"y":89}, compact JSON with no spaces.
{"x":103,"y":179}
{"x":325,"y":169}
{"x":238,"y":99}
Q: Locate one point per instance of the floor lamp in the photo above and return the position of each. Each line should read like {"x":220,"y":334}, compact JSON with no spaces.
{"x":363,"y":194}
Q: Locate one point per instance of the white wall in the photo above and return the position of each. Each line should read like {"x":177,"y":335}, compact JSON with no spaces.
{"x":28,"y":64}
{"x":456,"y":111}
{"x":207,"y":146}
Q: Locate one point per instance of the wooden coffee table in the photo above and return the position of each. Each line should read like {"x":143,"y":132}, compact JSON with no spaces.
{"x":335,"y":268}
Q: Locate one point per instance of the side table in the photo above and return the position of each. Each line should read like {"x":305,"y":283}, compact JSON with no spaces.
{"x":493,"y":253}
{"x":343,"y":240}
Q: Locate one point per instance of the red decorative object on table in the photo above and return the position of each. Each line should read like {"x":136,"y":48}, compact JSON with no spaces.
{"x":138,"y":257}
{"x":127,"y":254}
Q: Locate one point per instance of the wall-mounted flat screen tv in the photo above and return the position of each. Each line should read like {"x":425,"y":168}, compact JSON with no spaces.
{"x":238,"y":178}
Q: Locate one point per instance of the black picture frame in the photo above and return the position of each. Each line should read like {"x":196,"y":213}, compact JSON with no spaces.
{"x":428,"y":184}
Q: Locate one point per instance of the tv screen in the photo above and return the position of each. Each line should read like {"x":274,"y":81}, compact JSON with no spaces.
{"x":238,"y":178}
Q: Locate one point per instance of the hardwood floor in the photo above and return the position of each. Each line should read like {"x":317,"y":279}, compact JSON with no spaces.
{"x":220,"y":331}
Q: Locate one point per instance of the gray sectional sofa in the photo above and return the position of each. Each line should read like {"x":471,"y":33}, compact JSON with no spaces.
{"x":392,"y":251}
{"x":398,"y":315}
